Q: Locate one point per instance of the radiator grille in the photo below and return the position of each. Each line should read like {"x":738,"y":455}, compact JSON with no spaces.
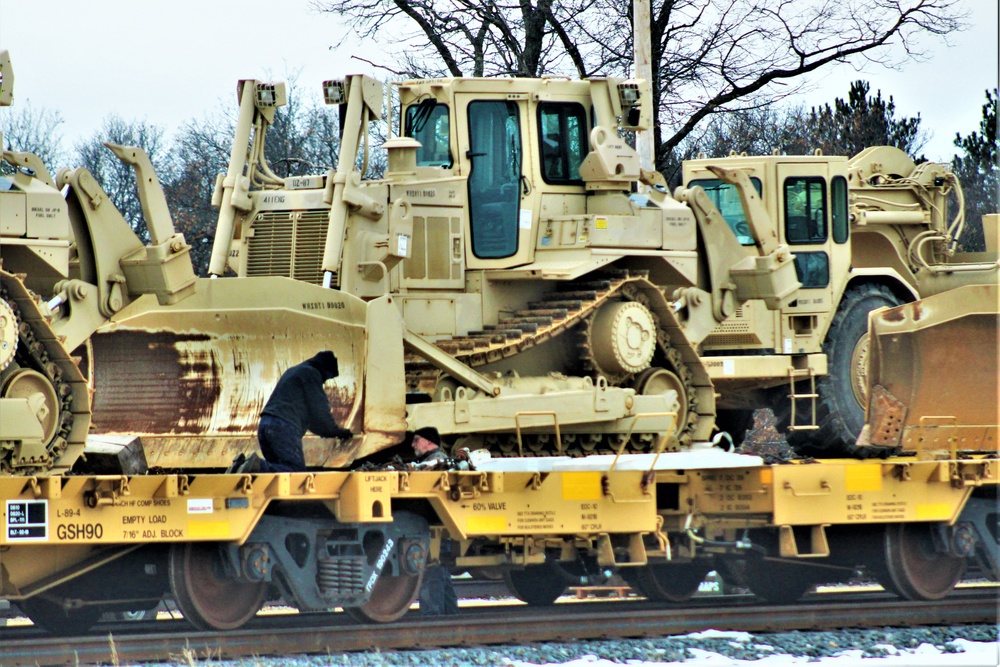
{"x":726,"y":340}
{"x":729,"y":326}
{"x":735,"y":331}
{"x":288,"y":243}
{"x":735,"y":324}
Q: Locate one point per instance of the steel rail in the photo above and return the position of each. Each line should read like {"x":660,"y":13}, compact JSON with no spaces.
{"x":476,"y":626}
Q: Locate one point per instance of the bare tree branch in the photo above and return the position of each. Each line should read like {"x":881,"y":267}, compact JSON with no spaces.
{"x":709,"y":56}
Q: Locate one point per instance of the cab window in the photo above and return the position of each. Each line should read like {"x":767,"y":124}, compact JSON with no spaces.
{"x":727,"y":200}
{"x":805,"y":209}
{"x":427,"y":122}
{"x":812,"y":269}
{"x":562,"y":129}
{"x":841,"y":223}
{"x":494,"y":177}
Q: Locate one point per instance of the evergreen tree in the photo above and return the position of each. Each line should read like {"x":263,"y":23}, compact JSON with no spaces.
{"x":979,"y":173}
{"x":861,"y":121}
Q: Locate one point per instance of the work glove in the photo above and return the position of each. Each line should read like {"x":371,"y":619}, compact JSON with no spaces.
{"x":343,"y":434}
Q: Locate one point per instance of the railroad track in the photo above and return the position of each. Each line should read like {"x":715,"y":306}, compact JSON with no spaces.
{"x":284,"y":634}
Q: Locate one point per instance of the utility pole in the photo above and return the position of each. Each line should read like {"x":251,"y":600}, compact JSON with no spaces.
{"x":642,"y":54}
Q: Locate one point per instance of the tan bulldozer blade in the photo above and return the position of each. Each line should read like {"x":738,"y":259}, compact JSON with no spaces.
{"x":933,"y":373}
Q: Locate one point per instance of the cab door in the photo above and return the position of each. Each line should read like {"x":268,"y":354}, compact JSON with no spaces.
{"x":494,"y":155}
{"x":813,"y":218}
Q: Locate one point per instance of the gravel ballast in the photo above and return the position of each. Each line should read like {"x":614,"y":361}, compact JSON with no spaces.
{"x":813,"y":646}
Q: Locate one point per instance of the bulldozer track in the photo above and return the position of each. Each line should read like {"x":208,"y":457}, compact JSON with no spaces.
{"x":37,"y":348}
{"x":552,"y":315}
{"x":567,"y":310}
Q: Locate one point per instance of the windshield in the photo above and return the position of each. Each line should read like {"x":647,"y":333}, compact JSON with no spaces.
{"x":428,"y":123}
{"x":727,"y":200}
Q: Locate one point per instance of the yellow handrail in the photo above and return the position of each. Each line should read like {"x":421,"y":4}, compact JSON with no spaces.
{"x":538,"y":413}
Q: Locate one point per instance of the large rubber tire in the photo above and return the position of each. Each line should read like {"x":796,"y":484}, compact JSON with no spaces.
{"x":840,"y":412}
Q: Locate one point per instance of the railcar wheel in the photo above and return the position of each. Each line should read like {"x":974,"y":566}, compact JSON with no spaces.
{"x":778,"y":583}
{"x":58,"y":620}
{"x":205,"y":595}
{"x":666,"y":583}
{"x":912,"y":567}
{"x":538,"y":585}
{"x":391,"y":598}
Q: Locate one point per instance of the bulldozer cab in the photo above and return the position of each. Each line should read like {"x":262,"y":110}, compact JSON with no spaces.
{"x":495,"y":164}
{"x":513,"y":149}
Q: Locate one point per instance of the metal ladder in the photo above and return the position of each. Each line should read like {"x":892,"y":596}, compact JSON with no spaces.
{"x":793,"y":396}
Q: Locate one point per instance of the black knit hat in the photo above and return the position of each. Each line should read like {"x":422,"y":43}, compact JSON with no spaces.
{"x":428,"y":433}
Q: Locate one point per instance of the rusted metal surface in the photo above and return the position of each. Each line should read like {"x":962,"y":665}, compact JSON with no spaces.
{"x":334,"y":633}
{"x":937,"y":359}
{"x":886,"y":414}
{"x":191,"y":386}
{"x":159,"y":383}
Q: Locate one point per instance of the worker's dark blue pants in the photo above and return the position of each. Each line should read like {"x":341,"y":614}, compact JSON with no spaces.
{"x":281,"y":443}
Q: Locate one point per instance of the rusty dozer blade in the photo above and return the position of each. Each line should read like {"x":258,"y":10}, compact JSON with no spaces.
{"x":933,"y":373}
{"x":190,"y":379}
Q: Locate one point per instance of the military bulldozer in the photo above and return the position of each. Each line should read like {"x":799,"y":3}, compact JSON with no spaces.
{"x":78,"y":253}
{"x":867,"y":232}
{"x":514,"y":279}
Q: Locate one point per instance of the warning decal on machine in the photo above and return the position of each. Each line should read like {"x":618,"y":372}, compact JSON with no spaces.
{"x":27,"y":520}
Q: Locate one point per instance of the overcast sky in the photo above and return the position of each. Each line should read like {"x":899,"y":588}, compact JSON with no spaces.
{"x":167,"y":62}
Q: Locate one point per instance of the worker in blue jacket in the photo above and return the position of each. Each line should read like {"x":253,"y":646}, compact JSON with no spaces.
{"x":297,"y":404}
